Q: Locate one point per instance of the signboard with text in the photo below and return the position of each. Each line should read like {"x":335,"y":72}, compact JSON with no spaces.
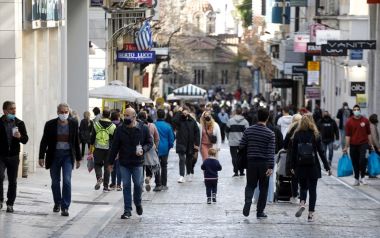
{"x":313,"y":49}
{"x":328,"y":51}
{"x":136,"y":56}
{"x":352,"y":44}
{"x":322,"y":36}
{"x":313,"y":92}
{"x":282,"y":83}
{"x":298,"y":3}
{"x":300,"y":43}
{"x":357,"y":88}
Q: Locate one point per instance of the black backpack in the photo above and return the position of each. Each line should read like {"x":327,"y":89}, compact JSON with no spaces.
{"x":306,"y":155}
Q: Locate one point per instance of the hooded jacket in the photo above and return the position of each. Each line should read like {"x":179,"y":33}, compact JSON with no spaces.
{"x":284,"y":123}
{"x":235,"y":128}
{"x":328,"y":129}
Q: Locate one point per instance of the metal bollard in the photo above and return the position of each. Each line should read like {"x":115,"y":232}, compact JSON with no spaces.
{"x":25,"y":165}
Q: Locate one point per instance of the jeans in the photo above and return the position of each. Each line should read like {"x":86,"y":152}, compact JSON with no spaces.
{"x":342,"y":137}
{"x":256,"y":173}
{"x":186,"y":159}
{"x":311,"y":186}
{"x":62,"y":161}
{"x":101,"y":161}
{"x":11,"y":164}
{"x":115,"y":174}
{"x":359,"y":160}
{"x":234,"y":156}
{"x":136,"y":173}
{"x":211,"y":187}
{"x":330,"y":147}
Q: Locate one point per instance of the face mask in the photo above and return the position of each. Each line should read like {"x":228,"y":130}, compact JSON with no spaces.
{"x":63,"y":117}
{"x":11,"y":116}
{"x":207,"y":118}
{"x":357,"y":113}
{"x":127,"y":121}
{"x":346,"y":107}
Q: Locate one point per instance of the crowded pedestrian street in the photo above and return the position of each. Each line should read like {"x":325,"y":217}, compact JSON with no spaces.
{"x":341,"y":211}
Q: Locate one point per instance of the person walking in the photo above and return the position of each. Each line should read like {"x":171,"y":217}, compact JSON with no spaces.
{"x":85,"y":129}
{"x":97,"y":114}
{"x":329,"y":133}
{"x":235,"y":128}
{"x":358,"y":140}
{"x":187,"y":141}
{"x":101,"y":139}
{"x":223,"y":118}
{"x":210,"y":134}
{"x":373,"y":120}
{"x":12,"y":133}
{"x":60,"y":144}
{"x":284,"y":121}
{"x":131,"y":140}
{"x":259,"y":141}
{"x":343,"y":115}
{"x":211,"y":166}
{"x":166,"y":134}
{"x":115,"y":174}
{"x":307,"y":145}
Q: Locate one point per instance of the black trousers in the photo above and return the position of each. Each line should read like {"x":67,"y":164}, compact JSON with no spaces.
{"x":234,"y":156}
{"x":211,"y":187}
{"x":359,"y":161}
{"x":223,"y":130}
{"x":101,"y":163}
{"x":294,"y":183}
{"x":84,"y":147}
{"x":11,"y":164}
{"x":256,"y":174}
{"x":311,"y":186}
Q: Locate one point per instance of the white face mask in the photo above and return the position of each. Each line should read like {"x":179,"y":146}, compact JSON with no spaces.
{"x":63,"y":117}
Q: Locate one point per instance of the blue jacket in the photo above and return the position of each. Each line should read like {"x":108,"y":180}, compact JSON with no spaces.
{"x":166,"y":134}
{"x":211,"y":167}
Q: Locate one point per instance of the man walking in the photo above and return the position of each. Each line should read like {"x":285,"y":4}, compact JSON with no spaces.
{"x":12,"y":133}
{"x":60,"y":143}
{"x":358,"y":139}
{"x":100,"y":144}
{"x":343,"y":115}
{"x":188,"y":140}
{"x":223,"y":118}
{"x":235,"y":128}
{"x":166,"y":134}
{"x":131,"y":140}
{"x":259,"y":141}
{"x":329,"y":133}
{"x":284,"y":121}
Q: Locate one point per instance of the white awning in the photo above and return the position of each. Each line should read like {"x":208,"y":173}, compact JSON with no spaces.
{"x":190,"y":90}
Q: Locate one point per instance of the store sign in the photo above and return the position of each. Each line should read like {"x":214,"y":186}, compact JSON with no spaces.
{"x":298,"y":3}
{"x":288,"y":67}
{"x":300,"y":43}
{"x":313,"y":92}
{"x":328,"y":51}
{"x":313,"y":49}
{"x":282,"y":83}
{"x":322,"y":36}
{"x":313,"y":66}
{"x":136,"y":56}
{"x":352,"y":44}
{"x":361,"y":100}
{"x":96,"y":3}
{"x":130,"y":46}
{"x":299,"y":69}
{"x":357,"y":88}
{"x":356,"y":54}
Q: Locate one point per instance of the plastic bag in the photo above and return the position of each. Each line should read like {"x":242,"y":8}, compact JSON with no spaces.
{"x":373,"y":164}
{"x":344,"y":166}
{"x":152,"y":161}
{"x":90,"y":163}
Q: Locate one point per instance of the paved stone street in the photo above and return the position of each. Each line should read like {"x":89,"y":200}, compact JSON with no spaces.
{"x":342,"y":210}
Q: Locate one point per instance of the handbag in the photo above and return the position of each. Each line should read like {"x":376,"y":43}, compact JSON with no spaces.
{"x":373,"y":164}
{"x":344,"y":166}
{"x":213,"y":139}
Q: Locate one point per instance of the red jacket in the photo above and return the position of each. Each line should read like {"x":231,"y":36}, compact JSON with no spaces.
{"x":358,"y":130}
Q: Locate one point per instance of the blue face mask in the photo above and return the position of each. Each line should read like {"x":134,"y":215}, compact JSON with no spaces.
{"x":11,"y":116}
{"x":357,"y":113}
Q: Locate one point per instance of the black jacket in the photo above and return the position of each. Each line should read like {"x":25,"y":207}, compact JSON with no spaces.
{"x":85,"y":130}
{"x":278,"y":137}
{"x":187,"y":135}
{"x":328,"y":129}
{"x":14,"y":148}
{"x":314,"y":171}
{"x":49,"y":142}
{"x":125,"y":141}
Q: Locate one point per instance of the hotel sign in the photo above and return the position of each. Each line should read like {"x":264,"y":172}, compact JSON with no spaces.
{"x":136,"y":56}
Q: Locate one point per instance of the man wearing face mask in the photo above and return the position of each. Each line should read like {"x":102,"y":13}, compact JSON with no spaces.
{"x":358,"y":139}
{"x":60,"y":144}
{"x":329,"y":133}
{"x":343,"y":115}
{"x":131,"y":140}
{"x":12,"y":133}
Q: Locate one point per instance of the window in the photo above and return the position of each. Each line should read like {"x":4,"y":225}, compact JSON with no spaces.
{"x":199,"y":76}
{"x":224,"y":79}
{"x":211,"y":23}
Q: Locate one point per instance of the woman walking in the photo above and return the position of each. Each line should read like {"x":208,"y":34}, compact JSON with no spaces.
{"x":210,"y":137}
{"x":85,"y":130}
{"x":307,"y":145}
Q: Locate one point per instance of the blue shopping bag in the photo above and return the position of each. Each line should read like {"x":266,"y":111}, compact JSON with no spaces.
{"x":344,"y":166}
{"x":373,"y":164}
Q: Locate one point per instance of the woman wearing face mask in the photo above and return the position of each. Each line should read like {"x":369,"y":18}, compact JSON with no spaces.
{"x":211,"y":136}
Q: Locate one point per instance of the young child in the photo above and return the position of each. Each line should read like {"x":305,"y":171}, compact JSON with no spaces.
{"x":211,"y":166}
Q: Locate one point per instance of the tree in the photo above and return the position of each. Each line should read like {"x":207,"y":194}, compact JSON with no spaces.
{"x":245,"y":12}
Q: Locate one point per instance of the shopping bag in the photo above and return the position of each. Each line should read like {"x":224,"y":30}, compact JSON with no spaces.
{"x":152,"y":161}
{"x":90,"y":163}
{"x":344,"y":166}
{"x":373,"y":164}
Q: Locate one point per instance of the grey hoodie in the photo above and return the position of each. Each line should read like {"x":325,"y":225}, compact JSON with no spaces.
{"x":235,"y":128}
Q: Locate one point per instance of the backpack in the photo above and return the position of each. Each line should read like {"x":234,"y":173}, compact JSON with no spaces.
{"x":102,"y":139}
{"x":306,"y":153}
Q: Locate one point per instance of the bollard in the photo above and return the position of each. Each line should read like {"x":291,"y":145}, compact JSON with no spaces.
{"x":25,"y":165}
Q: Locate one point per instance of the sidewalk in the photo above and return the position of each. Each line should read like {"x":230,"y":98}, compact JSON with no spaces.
{"x":342,"y":210}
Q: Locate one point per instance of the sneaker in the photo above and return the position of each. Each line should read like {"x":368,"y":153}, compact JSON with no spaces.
{"x":235,"y":175}
{"x":157,"y":189}
{"x":98,"y":183}
{"x":147,"y":180}
{"x":261,"y":215}
{"x":106,"y":189}
{"x":214,"y":197}
{"x":56,"y":208}
{"x":246,"y":209}
{"x":126,"y":215}
{"x":148,"y":187}
{"x":139,"y":210}
{"x":10,"y":209}
{"x":181,"y":179}
{"x":112,"y":186}
{"x":363,"y":181}
{"x":165,"y":188}
{"x":356,"y":183}
{"x":310,"y":217}
{"x":118,"y":188}
{"x":300,"y":210}
{"x":208,"y":200}
{"x":65,"y":212}
{"x":294,"y":200}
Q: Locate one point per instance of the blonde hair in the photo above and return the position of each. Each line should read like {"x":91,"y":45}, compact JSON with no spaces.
{"x":86,"y":115}
{"x":307,"y":123}
{"x":212,"y":152}
{"x":207,"y":125}
{"x":295,"y":119}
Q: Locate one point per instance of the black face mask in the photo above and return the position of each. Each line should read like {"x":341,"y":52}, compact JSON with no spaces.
{"x":207,"y":118}
{"x":127,"y":121}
